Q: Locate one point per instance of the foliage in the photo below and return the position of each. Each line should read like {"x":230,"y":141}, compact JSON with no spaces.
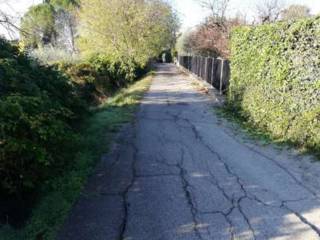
{"x":38,"y":108}
{"x":38,"y":26}
{"x":61,"y":193}
{"x":127,"y":31}
{"x":50,"y":23}
{"x":210,"y":38}
{"x":182,"y":44}
{"x":166,"y":56}
{"x":43,"y":158}
{"x":65,"y":4}
{"x":99,"y":77}
{"x":51,"y":55}
{"x":275,"y":80}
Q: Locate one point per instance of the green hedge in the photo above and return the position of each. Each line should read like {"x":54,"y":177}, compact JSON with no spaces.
{"x":98,"y":77}
{"x":275,"y":79}
{"x":39,"y":109}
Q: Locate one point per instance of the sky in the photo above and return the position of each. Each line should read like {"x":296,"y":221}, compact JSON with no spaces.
{"x":16,"y":9}
{"x":190,"y":11}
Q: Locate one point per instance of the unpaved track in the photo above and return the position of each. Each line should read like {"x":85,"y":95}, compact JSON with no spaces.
{"x":181,"y":173}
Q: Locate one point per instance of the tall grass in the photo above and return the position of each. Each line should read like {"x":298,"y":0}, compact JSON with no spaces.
{"x":50,"y":55}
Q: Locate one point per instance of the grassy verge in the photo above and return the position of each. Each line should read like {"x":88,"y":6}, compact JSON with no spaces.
{"x":248,"y":128}
{"x":259,"y":135}
{"x":96,"y":135}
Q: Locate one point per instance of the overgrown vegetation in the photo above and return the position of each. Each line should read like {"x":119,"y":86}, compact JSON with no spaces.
{"x":98,"y":77}
{"x":39,"y":108}
{"x":275,"y":81}
{"x":95,"y":136}
{"x":46,"y":96}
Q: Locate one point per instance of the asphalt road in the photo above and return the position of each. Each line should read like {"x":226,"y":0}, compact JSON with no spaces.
{"x":181,"y":173}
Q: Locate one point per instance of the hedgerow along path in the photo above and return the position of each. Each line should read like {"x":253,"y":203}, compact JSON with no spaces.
{"x":180,"y":172}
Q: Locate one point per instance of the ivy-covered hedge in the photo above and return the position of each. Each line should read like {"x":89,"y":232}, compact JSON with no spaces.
{"x":275,"y":79}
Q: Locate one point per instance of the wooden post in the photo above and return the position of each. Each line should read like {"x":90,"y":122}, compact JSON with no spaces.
{"x":206,"y":70}
{"x":212,"y":71}
{"x":221,"y":75}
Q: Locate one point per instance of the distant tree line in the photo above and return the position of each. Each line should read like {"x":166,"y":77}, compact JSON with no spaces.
{"x":52,"y":22}
{"x":211,"y":38}
{"x":128,"y":30}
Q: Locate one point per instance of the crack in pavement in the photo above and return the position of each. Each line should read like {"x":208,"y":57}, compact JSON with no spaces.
{"x":298,"y":215}
{"x":195,"y":209}
{"x":300,"y":183}
{"x":249,"y":196}
{"x":236,"y":203}
{"x":157,"y":175}
{"x":302,"y":219}
{"x":186,"y":186}
{"x":198,"y":190}
{"x":126,"y":204}
{"x":176,"y":118}
{"x":230,"y":172}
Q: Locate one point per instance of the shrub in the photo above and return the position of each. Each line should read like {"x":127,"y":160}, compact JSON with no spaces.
{"x":41,"y":108}
{"x":98,"y":77}
{"x":38,"y":111}
{"x":275,"y":79}
{"x":51,"y":55}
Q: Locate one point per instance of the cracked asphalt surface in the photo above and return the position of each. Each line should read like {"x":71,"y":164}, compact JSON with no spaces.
{"x":180,"y":172}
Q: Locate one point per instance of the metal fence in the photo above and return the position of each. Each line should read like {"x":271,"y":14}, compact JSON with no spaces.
{"x":215,"y":71}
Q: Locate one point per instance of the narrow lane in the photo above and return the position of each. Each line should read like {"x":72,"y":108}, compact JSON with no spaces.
{"x":179,"y":172}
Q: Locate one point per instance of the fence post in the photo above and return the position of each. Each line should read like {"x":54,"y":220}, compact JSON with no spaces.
{"x":221,"y":75}
{"x":201,"y":65}
{"x":197,"y":70}
{"x":196,"y":66}
{"x":205,"y":69}
{"x":193,"y":64}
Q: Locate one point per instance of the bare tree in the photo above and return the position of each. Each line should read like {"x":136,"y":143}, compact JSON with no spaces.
{"x":269,"y":10}
{"x":8,"y":22}
{"x":217,"y":8}
{"x":295,"y":12}
{"x":211,"y":38}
